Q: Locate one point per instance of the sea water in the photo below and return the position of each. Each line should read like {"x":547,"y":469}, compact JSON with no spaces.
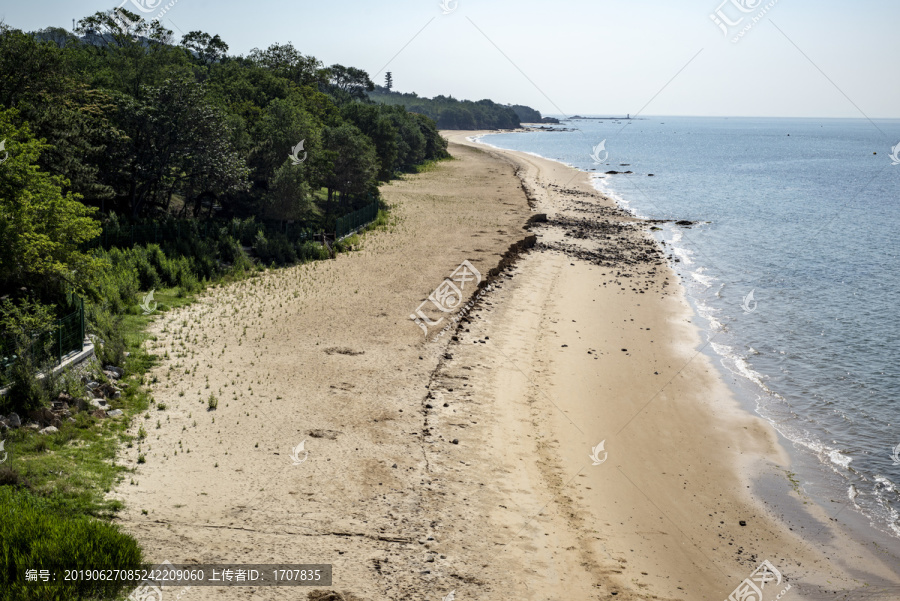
{"x":794,"y":268}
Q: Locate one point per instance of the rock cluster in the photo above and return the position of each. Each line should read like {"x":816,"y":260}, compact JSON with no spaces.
{"x":614,"y":242}
{"x":48,"y":420}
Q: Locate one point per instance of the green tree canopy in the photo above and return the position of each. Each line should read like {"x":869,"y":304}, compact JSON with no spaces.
{"x":176,"y":142}
{"x":42,"y":230}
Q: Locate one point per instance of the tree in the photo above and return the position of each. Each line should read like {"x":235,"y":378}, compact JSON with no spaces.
{"x":288,"y":198}
{"x":283,"y":125}
{"x":37,"y":77}
{"x":122,"y":28}
{"x":286,"y":61}
{"x":28,"y":67}
{"x":435,"y":143}
{"x":350,"y":82}
{"x":372,"y":120}
{"x":206,"y":48}
{"x":388,"y":80}
{"x":353,"y":160}
{"x":127,"y":53}
{"x":177,"y":142}
{"x":42,"y":230}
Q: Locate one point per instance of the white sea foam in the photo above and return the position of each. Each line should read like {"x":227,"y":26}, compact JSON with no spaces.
{"x":737,"y":364}
{"x":700,"y":275}
{"x":684,"y":255}
{"x":884,"y":484}
{"x":709,"y":314}
{"x":839,"y":458}
{"x":479,"y":139}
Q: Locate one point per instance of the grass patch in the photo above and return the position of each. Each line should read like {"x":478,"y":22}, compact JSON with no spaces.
{"x":34,"y":536}
{"x":74,"y":468}
{"x":431,"y":165}
{"x":53,"y":488}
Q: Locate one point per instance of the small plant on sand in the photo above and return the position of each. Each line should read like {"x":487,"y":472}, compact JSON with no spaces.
{"x":212,"y":403}
{"x":142,"y":434}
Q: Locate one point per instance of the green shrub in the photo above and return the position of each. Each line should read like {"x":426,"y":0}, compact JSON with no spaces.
{"x":261,"y":245}
{"x":26,"y":332}
{"x":163,"y":265}
{"x":111,"y":347}
{"x":34,"y":536}
{"x":10,"y":476}
{"x":241,"y":263}
{"x":244,"y":231}
{"x":118,"y":285}
{"x":147,"y":275}
{"x":310,"y":251}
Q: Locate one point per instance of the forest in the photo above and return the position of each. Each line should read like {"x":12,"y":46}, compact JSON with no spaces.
{"x":118,"y":125}
{"x":451,"y":113}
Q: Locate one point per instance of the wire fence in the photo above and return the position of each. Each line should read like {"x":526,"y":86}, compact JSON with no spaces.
{"x":349,"y":224}
{"x":126,"y":236}
{"x":243,"y":231}
{"x":65,"y":337}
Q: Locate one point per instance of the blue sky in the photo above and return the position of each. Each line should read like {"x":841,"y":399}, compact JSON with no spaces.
{"x":801,"y":59}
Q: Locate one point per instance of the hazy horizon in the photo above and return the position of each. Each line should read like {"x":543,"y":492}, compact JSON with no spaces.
{"x":646,"y":58}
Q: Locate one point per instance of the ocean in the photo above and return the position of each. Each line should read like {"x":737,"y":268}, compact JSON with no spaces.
{"x":794,"y":269}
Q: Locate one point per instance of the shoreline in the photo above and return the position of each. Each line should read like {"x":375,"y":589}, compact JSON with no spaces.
{"x":777,"y":497}
{"x":747,"y":387}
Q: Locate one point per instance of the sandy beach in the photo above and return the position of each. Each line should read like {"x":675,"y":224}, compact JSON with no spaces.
{"x":470,"y":462}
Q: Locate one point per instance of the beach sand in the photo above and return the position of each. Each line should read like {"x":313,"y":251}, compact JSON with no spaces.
{"x":459,"y":463}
